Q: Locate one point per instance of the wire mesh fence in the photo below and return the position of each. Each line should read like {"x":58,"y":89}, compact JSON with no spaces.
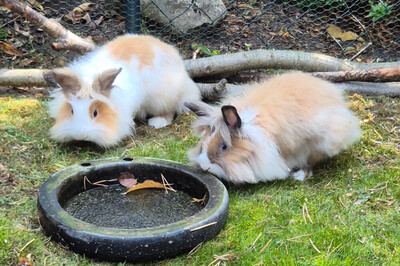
{"x":336,"y":27}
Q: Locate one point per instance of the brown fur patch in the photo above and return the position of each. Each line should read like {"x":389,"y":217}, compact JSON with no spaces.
{"x":105,"y":115}
{"x":126,"y":47}
{"x":240,"y":151}
{"x":213,"y":150}
{"x":65,"y":112}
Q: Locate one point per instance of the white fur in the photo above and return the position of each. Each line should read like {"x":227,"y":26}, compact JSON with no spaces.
{"x":160,"y":90}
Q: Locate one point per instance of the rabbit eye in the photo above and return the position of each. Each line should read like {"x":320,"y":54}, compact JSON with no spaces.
{"x":95,"y":113}
{"x":223,"y":146}
{"x":72,"y":111}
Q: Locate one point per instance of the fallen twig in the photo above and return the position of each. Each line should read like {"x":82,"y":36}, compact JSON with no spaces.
{"x":27,"y":244}
{"x":265,"y":246}
{"x":195,"y":249}
{"x":296,"y":237}
{"x":167,"y":186}
{"x":85,"y":179}
{"x":203,"y":226}
{"x":255,"y":241}
{"x":312,"y":244}
{"x":306,"y":214}
{"x":361,"y":51}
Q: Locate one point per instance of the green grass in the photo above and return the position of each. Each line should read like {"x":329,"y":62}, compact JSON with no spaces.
{"x":347,"y":214}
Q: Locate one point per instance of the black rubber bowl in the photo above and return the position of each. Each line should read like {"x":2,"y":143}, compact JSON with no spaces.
{"x":139,"y":244}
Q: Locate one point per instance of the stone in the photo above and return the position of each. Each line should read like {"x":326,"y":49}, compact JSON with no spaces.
{"x":184,"y":15}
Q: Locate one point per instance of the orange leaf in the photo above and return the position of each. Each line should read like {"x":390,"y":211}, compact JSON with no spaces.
{"x":146,"y":184}
{"x":9,"y":49}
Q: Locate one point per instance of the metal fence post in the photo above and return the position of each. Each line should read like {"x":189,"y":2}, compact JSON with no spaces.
{"x":133,"y":17}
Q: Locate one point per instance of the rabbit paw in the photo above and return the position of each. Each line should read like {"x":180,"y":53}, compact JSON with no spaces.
{"x":301,"y":174}
{"x":160,"y":121}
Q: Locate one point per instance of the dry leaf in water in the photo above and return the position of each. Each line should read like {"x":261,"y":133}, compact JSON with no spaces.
{"x":146,"y":184}
{"x":127,"y":180}
{"x":337,"y":33}
{"x":9,"y":49}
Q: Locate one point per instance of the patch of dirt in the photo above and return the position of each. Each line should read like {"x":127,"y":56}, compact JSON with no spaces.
{"x":247,"y":25}
{"x":6,"y":178}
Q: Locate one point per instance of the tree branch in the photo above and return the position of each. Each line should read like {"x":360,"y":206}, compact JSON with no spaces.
{"x":391,"y":89}
{"x":374,"y":75}
{"x":23,"y":78}
{"x":65,"y":40}
{"x":273,"y":59}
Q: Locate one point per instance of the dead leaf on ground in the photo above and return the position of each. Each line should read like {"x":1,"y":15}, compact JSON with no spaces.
{"x":285,"y":33}
{"x":9,"y":49}
{"x":78,"y":12}
{"x":127,"y":180}
{"x":87,"y":18}
{"x":35,"y":3}
{"x":93,"y":24}
{"x":23,"y":262}
{"x":337,"y":33}
{"x":146,"y":184}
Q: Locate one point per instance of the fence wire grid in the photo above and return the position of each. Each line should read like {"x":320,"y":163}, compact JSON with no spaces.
{"x":336,"y":27}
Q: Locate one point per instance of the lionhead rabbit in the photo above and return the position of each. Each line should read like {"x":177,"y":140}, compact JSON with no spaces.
{"x":279,"y":128}
{"x":100,"y":92}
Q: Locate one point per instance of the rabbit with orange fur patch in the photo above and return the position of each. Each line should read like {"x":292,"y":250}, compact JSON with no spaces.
{"x":130,"y":76}
{"x":279,"y":128}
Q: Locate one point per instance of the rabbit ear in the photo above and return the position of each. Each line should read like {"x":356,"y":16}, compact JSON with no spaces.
{"x":199,"y":108}
{"x":231,"y":117}
{"x":103,"y":82}
{"x":66,"y":78}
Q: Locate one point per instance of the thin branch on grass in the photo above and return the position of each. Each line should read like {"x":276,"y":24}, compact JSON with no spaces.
{"x":306,"y":214}
{"x":265,"y":246}
{"x":255,"y":241}
{"x":219,"y":258}
{"x":312,"y":244}
{"x":65,"y":40}
{"x":296,"y":237}
{"x":341,"y":202}
{"x":195,"y":249}
{"x":27,"y":244}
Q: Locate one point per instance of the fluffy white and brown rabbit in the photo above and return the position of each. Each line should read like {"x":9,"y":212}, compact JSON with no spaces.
{"x":100,"y":92}
{"x":278,"y":129}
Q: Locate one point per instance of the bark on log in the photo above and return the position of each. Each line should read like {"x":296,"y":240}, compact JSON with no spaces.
{"x":264,"y":59}
{"x":65,"y":40}
{"x":385,"y":74}
{"x":23,"y":78}
{"x":273,"y":59}
{"x":210,"y":91}
{"x":374,"y":75}
{"x":391,"y":89}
